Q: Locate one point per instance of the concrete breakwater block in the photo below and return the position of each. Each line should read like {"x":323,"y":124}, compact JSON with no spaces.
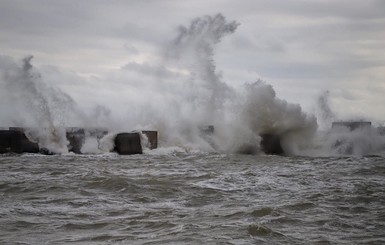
{"x":76,"y":138}
{"x":152,"y":137}
{"x":7,"y":141}
{"x":271,"y":144}
{"x":74,"y":135}
{"x":128,"y":144}
{"x":15,"y":141}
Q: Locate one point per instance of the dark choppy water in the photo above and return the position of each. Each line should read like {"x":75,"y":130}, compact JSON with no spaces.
{"x":191,"y":199}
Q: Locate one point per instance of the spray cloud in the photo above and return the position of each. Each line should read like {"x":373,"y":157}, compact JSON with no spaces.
{"x":42,"y":110}
{"x":176,"y":97}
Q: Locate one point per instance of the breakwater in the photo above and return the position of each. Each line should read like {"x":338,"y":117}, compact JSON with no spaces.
{"x":26,"y":140}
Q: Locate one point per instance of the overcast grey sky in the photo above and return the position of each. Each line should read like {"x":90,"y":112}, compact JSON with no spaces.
{"x":301,"y":47}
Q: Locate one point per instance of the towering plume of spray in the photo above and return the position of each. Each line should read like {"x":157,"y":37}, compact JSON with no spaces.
{"x":194,"y":47}
{"x":241,"y":115}
{"x":198,"y":96}
{"x":326,"y":115}
{"x":193,"y":96}
{"x":42,"y":110}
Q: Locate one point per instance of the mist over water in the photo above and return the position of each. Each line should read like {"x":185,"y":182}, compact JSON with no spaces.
{"x":179,"y":95}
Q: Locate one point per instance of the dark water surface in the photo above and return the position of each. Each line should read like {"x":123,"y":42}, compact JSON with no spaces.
{"x":195,"y":198}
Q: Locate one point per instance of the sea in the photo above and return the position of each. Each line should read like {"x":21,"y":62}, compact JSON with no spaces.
{"x":191,"y":198}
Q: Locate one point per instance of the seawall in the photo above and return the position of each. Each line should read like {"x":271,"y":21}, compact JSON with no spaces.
{"x":15,"y":140}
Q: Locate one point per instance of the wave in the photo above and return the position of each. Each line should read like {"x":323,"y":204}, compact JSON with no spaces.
{"x":186,"y":94}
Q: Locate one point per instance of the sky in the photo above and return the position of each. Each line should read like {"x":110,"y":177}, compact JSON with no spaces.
{"x":302,"y":48}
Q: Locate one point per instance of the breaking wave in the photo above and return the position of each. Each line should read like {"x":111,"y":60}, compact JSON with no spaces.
{"x":185,"y":95}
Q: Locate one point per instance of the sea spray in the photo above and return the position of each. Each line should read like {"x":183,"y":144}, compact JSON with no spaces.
{"x":91,"y":145}
{"x":193,"y":95}
{"x":336,"y":138}
{"x":203,"y":98}
{"x":325,"y":115}
{"x":37,"y":105}
{"x":342,"y":141}
{"x":240,"y":115}
{"x":187,"y":95}
{"x":267,"y":114}
{"x":194,"y":49}
{"x":107,"y":143}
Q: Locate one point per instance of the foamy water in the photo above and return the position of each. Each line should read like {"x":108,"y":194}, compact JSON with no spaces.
{"x":195,"y":198}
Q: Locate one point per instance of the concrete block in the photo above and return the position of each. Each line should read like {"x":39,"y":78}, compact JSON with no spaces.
{"x":128,"y":143}
{"x":20,"y":129}
{"x":152,"y":137}
{"x":76,"y":138}
{"x":15,"y":141}
{"x":271,"y":144}
{"x":5,"y":141}
{"x":27,"y":145}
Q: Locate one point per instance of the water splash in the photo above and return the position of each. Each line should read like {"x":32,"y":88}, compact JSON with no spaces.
{"x":194,"y":48}
{"x":177,"y":97}
{"x":240,"y":115}
{"x":40,"y":109}
{"x":197,"y":96}
{"x":325,"y":114}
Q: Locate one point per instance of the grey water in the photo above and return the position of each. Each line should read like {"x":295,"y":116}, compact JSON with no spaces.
{"x":191,"y":198}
